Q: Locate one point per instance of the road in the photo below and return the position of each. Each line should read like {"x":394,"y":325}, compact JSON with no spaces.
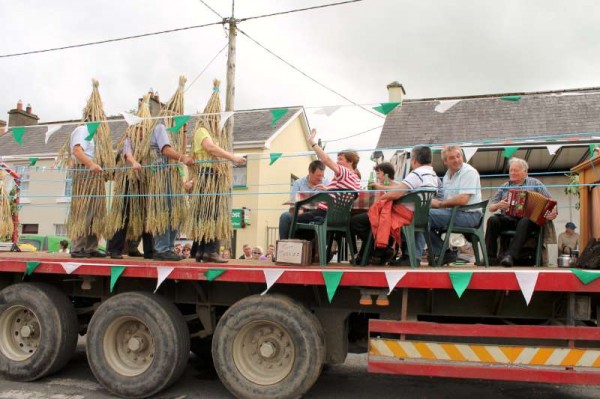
{"x":348,"y":380}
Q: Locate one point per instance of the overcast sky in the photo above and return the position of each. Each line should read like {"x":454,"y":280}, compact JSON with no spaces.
{"x":435,"y":48}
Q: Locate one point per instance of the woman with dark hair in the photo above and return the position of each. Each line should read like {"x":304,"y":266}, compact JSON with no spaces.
{"x":384,"y":173}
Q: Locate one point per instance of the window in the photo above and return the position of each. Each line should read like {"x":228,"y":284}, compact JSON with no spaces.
{"x":240,"y":176}
{"x":30,"y":228}
{"x":68,"y":185}
{"x":60,"y":230}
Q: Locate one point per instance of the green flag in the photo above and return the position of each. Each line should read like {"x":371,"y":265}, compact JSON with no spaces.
{"x":180,"y":169}
{"x":332,"y":281}
{"x":212,"y":274}
{"x":592,"y":148}
{"x":31,"y":266}
{"x":509,"y":151}
{"x":274,"y":157}
{"x":386,"y":108}
{"x":511,"y":98}
{"x":92,"y":128}
{"x":178,"y":122}
{"x":460,"y":281}
{"x":115,"y":273}
{"x":277,"y":114}
{"x":585,"y":276}
{"x":18,"y":133}
{"x":32,"y":161}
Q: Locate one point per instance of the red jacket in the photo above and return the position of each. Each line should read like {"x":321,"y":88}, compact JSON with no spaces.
{"x":386,"y":220}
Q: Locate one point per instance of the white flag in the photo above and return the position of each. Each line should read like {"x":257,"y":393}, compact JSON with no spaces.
{"x":469,"y":152}
{"x":527,"y":281}
{"x":224,"y":117}
{"x":51,"y":130}
{"x":131,"y":119}
{"x":552,"y":148}
{"x":163,"y":272}
{"x":327,"y":110}
{"x":444,"y":106}
{"x":271,"y":276}
{"x":70,"y":267}
{"x":393,"y":277}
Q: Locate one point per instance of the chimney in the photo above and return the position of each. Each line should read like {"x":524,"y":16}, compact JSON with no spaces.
{"x":395,"y":92}
{"x":155,"y":104}
{"x":18,"y":117}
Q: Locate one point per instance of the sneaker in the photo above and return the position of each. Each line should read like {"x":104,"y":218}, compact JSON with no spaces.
{"x":116,"y":256}
{"x":96,"y":254}
{"x":135,"y":254}
{"x":167,"y":255}
{"x":213,"y":257}
{"x":402,"y":261}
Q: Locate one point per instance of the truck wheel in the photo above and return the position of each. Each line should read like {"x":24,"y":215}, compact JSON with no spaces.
{"x":38,"y":331}
{"x":268,"y":347}
{"x":137,"y":344}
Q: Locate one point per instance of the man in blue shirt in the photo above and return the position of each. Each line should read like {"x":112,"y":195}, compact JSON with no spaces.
{"x":314,"y":181}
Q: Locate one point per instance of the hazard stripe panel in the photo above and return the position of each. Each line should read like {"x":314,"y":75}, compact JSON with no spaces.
{"x":491,"y":354}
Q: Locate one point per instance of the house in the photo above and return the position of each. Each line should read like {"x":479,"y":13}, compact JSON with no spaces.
{"x":551,"y":130}
{"x":259,"y":187}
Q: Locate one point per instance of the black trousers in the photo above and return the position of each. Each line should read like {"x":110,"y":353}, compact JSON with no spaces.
{"x":496,"y":224}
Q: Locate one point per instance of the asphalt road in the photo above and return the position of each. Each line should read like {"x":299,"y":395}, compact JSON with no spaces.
{"x":349,"y":380}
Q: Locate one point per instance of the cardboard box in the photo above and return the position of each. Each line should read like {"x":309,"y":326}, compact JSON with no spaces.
{"x":296,"y":252}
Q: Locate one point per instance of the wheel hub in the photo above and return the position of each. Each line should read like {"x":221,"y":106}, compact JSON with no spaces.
{"x":19,"y":333}
{"x":128,"y":346}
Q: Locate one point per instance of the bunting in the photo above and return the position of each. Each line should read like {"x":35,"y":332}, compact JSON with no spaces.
{"x":162,"y":273}
{"x":469,"y":152}
{"x":332,"y":281}
{"x":509,"y":151}
{"x":274,"y":157}
{"x":224,"y":117}
{"x":178,"y":121}
{"x":92,"y":127}
{"x":460,"y":281}
{"x":271,"y":277}
{"x":212,"y":274}
{"x":131,"y":119}
{"x":328,"y":111}
{"x":18,"y":133}
{"x":386,"y":108}
{"x":115,"y":273}
{"x":31,"y":266}
{"x":393,"y":277}
{"x":585,"y":276}
{"x":51,"y":130}
{"x":527,"y":280}
{"x":32,"y":161}
{"x":511,"y":98}
{"x":444,"y":106}
{"x":552,"y":148}
{"x":70,"y":267}
{"x":277,"y":114}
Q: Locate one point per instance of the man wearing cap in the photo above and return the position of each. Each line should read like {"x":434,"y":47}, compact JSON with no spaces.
{"x":568,"y":240}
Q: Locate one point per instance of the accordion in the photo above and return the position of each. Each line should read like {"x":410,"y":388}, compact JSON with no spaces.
{"x":529,"y":204}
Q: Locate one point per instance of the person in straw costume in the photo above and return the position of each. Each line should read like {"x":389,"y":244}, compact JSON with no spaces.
{"x":166,"y":204}
{"x":89,"y":153}
{"x":6,"y":223}
{"x":127,"y":216}
{"x":210,"y":202}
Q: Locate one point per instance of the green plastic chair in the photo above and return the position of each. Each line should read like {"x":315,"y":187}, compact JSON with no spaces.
{"x":476,"y":234}
{"x":337,"y":220}
{"x":538,"y":236}
{"x":420,"y":224}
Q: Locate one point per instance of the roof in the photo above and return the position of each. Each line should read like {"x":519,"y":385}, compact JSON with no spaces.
{"x":487,"y":121}
{"x":251,"y":128}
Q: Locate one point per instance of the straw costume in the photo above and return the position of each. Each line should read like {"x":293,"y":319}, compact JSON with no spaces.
{"x":87,"y":214}
{"x":6,"y":223}
{"x":127,"y":217}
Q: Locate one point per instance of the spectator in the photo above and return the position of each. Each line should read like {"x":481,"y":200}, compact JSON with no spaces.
{"x":257,"y":254}
{"x":247,"y":252}
{"x":178,"y":249}
{"x":226,"y":254}
{"x":187,"y":249}
{"x":568,"y":240}
{"x":384,"y":174}
{"x":271,"y":253}
{"x":64,"y":247}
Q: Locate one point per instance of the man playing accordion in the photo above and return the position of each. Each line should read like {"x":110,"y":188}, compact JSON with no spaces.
{"x":502,"y":221}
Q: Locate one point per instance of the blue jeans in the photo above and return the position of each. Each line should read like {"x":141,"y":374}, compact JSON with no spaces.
{"x":165,"y":241}
{"x":439,"y":219}
{"x":285,"y":223}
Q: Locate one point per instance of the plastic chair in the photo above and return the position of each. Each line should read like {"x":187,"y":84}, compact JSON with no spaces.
{"x":337,"y":220}
{"x":474,"y":234}
{"x":537,"y":235}
{"x":419,"y":224}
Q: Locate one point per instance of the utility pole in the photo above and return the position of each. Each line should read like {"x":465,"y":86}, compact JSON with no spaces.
{"x":230,"y":93}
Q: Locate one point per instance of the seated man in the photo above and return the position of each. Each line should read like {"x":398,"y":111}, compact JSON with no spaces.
{"x":462,"y":186}
{"x":314,"y":181}
{"x":568,"y":241}
{"x":500,"y":222}
{"x":422,"y":176}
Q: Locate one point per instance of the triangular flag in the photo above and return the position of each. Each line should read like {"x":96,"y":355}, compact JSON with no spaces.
{"x":460,"y":281}
{"x":332,"y":281}
{"x":115,"y":273}
{"x":271,"y":276}
{"x":469,"y":152}
{"x":509,"y":151}
{"x":92,"y":127}
{"x":70,"y":267}
{"x":31,"y":266}
{"x":585,"y":276}
{"x":386,"y":108}
{"x":511,"y":98}
{"x":179,"y":121}
{"x":213,"y":273}
{"x":277,"y":114}
{"x":393,"y":277}
{"x":32,"y":161}
{"x":18,"y":133}
{"x":327,"y":110}
{"x":131,"y":119}
{"x":444,"y":106}
{"x":527,"y":281}
{"x":180,"y":169}
{"x":162,"y":272}
{"x":552,"y":148}
{"x":51,"y":130}
{"x":592,"y":149}
{"x":274,"y":157}
{"x":224,"y":116}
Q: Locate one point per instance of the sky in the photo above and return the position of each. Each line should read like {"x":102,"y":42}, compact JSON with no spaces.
{"x":434,"y":48}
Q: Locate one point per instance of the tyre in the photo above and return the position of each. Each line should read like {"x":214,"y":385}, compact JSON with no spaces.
{"x":38,"y":331}
{"x":137,"y":344}
{"x":268,"y":347}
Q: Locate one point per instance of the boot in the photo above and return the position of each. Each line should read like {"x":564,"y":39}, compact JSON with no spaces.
{"x":213,"y":257}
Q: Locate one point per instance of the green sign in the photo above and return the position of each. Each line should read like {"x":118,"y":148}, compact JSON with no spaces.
{"x":237,"y":217}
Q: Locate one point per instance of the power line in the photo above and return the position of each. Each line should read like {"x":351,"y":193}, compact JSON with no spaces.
{"x":353,"y":135}
{"x":210,"y":8}
{"x":205,"y":68}
{"x":298,"y":10}
{"x":309,"y":77}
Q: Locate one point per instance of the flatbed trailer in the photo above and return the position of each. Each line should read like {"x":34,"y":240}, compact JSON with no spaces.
{"x":270,"y":328}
